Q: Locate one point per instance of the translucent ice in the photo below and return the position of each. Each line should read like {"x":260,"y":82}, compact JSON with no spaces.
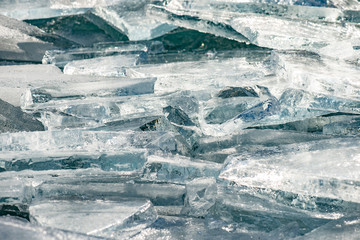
{"x":300,"y":180}
{"x":15,"y":228}
{"x":178,"y":169}
{"x":323,"y":75}
{"x":132,"y":20}
{"x":61,"y":57}
{"x":304,"y":35}
{"x":344,"y":228}
{"x":111,"y":66}
{"x":99,"y":218}
{"x":77,"y":90}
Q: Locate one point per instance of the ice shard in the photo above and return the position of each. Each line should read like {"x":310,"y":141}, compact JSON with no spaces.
{"x":100,"y":218}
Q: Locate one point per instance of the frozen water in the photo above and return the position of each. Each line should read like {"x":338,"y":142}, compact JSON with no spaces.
{"x":131,"y":19}
{"x":297,"y":179}
{"x":111,"y":66}
{"x":77,"y":90}
{"x":16,"y":228}
{"x":180,"y":119}
{"x":99,"y":218}
{"x":61,"y":57}
{"x":344,"y":228}
{"x":176,"y":169}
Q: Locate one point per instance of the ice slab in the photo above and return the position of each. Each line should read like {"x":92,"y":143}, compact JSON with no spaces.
{"x":68,"y":189}
{"x":132,"y":20}
{"x":309,"y":10}
{"x":333,"y":123}
{"x":344,"y":228}
{"x":82,"y":141}
{"x":108,"y":87}
{"x":129,"y":162}
{"x":13,"y":119}
{"x":313,"y":73}
{"x":181,"y":19}
{"x":110,"y":66}
{"x":178,"y":169}
{"x":47,"y":8}
{"x":351,"y":127}
{"x":303,"y":181}
{"x":61,"y":57}
{"x":100,"y":218}
{"x":218,"y":148}
{"x":304,"y":36}
{"x":173,"y":227}
{"x":181,"y":76}
{"x":15,"y":228}
{"x":79,"y":29}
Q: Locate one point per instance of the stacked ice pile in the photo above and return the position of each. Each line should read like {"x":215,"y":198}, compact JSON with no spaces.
{"x":180,"y":119}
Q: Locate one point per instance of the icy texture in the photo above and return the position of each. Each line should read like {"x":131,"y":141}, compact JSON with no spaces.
{"x":99,"y":218}
{"x":61,"y":57}
{"x":108,"y":88}
{"x":178,"y":169}
{"x":309,"y":72}
{"x":344,"y":228}
{"x":112,"y":66}
{"x":15,"y":228}
{"x":73,"y":140}
{"x":181,"y":119}
{"x":47,"y":8}
{"x":297,"y":179}
{"x":131,"y":19}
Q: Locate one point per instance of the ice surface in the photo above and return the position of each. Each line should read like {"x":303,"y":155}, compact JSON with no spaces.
{"x":16,"y":228}
{"x":99,"y":218}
